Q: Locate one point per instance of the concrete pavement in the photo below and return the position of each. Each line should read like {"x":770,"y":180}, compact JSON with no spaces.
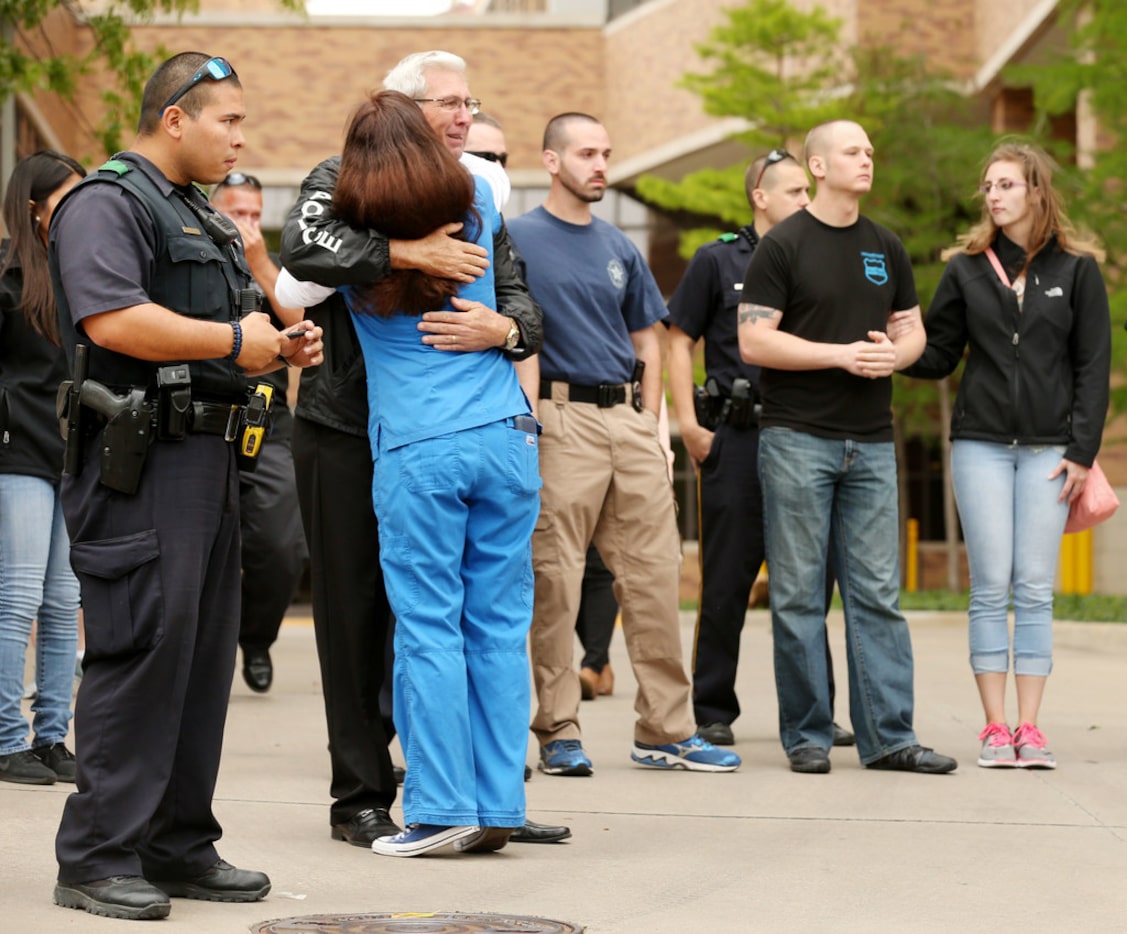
{"x":760,"y":850}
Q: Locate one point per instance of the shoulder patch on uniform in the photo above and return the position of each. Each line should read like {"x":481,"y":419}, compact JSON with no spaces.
{"x":727,"y":237}
{"x":116,"y":166}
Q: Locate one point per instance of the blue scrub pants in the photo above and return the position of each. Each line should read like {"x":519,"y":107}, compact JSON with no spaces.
{"x":456,"y":514}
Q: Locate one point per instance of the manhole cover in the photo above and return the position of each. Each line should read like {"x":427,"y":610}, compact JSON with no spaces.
{"x":455,"y":922}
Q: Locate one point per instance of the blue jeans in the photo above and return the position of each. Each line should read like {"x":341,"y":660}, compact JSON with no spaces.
{"x":36,"y":582}
{"x":1012,"y":526}
{"x":811,"y":486}
{"x":456,"y":514}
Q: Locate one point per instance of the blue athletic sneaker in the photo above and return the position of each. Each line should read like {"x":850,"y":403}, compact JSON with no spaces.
{"x":564,"y":757}
{"x":420,"y":838}
{"x":693,"y":754}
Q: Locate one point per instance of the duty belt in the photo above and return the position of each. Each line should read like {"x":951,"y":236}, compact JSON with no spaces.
{"x":215,"y":418}
{"x":604,"y":395}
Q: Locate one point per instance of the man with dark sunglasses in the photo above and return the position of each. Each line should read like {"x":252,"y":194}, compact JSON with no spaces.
{"x":153,"y":289}
{"x":273,"y":542}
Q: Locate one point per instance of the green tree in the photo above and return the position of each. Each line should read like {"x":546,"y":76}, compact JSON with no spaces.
{"x":754,"y":76}
{"x":22,"y":70}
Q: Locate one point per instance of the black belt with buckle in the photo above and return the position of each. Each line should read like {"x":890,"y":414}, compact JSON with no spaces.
{"x":605,"y":395}
{"x":215,"y":418}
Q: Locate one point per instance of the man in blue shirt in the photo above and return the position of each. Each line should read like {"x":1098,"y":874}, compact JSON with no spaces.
{"x":604,"y":472}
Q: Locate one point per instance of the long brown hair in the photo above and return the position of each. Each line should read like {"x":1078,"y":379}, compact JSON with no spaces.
{"x":397,"y":177}
{"x":34,"y":179}
{"x":1045,"y":205}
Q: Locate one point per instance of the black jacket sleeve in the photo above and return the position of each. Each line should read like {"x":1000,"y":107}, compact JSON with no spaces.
{"x":946,"y":327}
{"x":316,"y":247}
{"x":513,"y":297}
{"x":1089,"y":347}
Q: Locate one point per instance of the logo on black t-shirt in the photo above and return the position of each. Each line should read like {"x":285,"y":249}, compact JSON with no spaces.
{"x":875,"y":270}
{"x":617,"y":273}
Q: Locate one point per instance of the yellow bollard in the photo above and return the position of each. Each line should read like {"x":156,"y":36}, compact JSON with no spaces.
{"x":1076,"y":563}
{"x":912,"y":576}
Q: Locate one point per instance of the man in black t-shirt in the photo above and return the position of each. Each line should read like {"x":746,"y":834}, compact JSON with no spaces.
{"x":815,"y":314}
{"x":724,"y":442}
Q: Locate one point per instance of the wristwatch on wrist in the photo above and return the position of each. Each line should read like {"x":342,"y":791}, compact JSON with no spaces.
{"x":513,"y":337}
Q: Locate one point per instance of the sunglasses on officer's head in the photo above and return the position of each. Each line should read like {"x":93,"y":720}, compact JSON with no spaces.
{"x":216,"y":69}
{"x":235,"y":179}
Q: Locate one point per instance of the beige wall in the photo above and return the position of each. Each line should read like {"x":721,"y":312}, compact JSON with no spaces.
{"x":302,"y":81}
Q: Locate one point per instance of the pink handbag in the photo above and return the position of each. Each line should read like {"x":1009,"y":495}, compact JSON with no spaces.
{"x":1096,"y":502}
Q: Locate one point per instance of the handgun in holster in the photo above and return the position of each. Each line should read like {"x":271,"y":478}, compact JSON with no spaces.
{"x":69,"y":410}
{"x":254,"y":420}
{"x":127,"y":434}
{"x":636,"y":383}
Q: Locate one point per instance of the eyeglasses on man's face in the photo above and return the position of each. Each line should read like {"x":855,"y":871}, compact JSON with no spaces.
{"x":217,"y":69}
{"x":774,"y":157}
{"x":501,"y":158}
{"x":1003,"y":184}
{"x":236,"y":179}
{"x":452,"y":104}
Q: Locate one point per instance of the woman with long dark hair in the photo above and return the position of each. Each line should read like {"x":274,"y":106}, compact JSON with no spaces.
{"x":455,"y":491}
{"x":36,"y":581}
{"x":1024,"y":293}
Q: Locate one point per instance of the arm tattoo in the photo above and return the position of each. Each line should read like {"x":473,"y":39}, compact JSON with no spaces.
{"x":750,"y":314}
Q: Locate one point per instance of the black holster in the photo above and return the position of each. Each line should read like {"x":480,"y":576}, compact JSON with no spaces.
{"x":128,"y":431}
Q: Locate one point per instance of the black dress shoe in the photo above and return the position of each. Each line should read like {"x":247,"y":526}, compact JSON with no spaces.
{"x":916,"y":759}
{"x":362,"y":828}
{"x":258,"y":670}
{"x":717,"y":733}
{"x":129,"y":897}
{"x":527,"y":772}
{"x":842,"y":736}
{"x":809,"y":759}
{"x":532,"y":832}
{"x":399,"y":772}
{"x":221,"y":883}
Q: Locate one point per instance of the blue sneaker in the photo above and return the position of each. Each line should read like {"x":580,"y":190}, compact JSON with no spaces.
{"x":693,"y":754}
{"x":420,"y":838}
{"x":564,"y":757}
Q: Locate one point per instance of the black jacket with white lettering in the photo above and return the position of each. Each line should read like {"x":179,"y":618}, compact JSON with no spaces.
{"x":1035,"y":375}
{"x":316,"y":247}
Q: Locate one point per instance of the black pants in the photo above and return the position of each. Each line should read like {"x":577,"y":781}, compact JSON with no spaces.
{"x":159,"y":573}
{"x":731,"y":551}
{"x":274,"y":552}
{"x":351,"y":616}
{"x":598,"y":609}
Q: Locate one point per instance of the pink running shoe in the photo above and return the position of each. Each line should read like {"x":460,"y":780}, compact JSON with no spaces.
{"x":997,"y":747}
{"x":1031,"y":752}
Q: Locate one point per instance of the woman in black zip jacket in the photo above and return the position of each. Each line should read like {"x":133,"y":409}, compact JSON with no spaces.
{"x":1024,"y":293}
{"x":36,"y":581}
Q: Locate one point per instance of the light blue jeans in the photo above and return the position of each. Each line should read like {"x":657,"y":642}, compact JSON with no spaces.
{"x":36,"y":583}
{"x":811,"y":485}
{"x":1012,"y":526}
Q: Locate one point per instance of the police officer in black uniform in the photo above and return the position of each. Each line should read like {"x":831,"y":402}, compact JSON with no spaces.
{"x":155,"y":313}
{"x":720,"y":426}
